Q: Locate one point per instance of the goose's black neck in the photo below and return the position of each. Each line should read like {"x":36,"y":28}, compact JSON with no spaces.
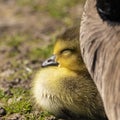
{"x":109,"y":10}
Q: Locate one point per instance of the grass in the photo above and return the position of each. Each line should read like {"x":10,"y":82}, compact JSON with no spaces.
{"x":42,"y":53}
{"x":59,"y":8}
{"x":19,"y":101}
{"x":13,"y":42}
{"x":1,"y":94}
{"x":16,"y":40}
{"x":56,"y":8}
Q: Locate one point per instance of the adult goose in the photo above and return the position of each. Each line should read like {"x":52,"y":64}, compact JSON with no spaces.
{"x":100,"y":47}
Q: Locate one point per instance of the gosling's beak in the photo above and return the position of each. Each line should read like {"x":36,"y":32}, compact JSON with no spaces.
{"x":50,"y":62}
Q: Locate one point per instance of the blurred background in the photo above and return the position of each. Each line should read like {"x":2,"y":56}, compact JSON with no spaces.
{"x":28,"y":29}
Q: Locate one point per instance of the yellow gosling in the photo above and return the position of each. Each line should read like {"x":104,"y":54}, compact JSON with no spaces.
{"x":63,"y":86}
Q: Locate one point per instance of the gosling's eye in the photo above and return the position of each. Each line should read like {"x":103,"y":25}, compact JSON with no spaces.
{"x":66,"y":52}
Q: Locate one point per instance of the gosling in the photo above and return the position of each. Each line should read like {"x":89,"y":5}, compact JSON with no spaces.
{"x":64,"y":87}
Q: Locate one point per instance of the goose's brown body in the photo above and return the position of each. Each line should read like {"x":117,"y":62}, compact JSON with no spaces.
{"x":100,"y":47}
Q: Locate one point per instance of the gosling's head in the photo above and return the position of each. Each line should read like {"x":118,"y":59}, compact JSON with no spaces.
{"x":66,"y":51}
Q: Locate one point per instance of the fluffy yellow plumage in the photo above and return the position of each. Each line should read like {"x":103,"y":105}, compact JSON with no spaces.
{"x":63,"y":86}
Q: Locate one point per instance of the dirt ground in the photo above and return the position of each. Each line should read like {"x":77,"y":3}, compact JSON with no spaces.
{"x":27,"y":33}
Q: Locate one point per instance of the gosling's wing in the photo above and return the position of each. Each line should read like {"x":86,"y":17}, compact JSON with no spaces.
{"x":82,"y":98}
